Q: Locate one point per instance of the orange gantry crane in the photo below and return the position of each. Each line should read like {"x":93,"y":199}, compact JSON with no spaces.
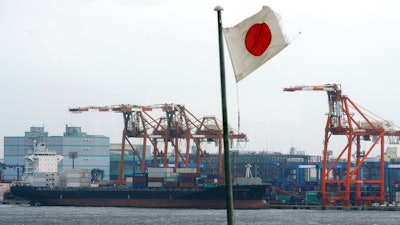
{"x":353,"y":187}
{"x":178,"y":127}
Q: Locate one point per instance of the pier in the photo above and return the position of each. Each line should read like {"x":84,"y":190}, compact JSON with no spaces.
{"x":348,"y":208}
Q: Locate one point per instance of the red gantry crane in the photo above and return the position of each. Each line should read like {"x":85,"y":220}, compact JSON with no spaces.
{"x":177,"y":128}
{"x":353,"y":186}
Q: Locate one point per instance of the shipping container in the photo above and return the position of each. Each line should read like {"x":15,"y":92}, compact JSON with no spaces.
{"x":283,"y":197}
{"x":160,"y":170}
{"x":182,"y":184}
{"x":139,"y":184}
{"x":155,"y":184}
{"x":187,"y":179}
{"x":186,"y":170}
{"x":155,"y":179}
{"x":213,"y":176}
{"x":156,"y":174}
{"x":312,"y":197}
{"x":139,"y":179}
{"x":171,"y":175}
{"x":140,"y":175}
{"x":171,"y":179}
{"x":188,"y":175}
{"x":171,"y":184}
{"x":209,"y":185}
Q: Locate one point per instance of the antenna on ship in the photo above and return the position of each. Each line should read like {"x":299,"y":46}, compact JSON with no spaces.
{"x":73,"y":156}
{"x":248,"y":171}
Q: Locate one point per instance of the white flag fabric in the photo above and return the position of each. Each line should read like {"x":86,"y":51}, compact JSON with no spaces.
{"x":254,"y":41}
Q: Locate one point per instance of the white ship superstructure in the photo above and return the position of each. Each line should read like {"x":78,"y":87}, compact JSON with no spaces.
{"x":41,"y":167}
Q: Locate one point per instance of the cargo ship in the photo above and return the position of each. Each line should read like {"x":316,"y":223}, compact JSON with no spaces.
{"x":156,"y":188}
{"x":245,"y":197}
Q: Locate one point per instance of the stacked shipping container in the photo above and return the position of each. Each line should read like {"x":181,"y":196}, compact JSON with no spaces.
{"x":75,"y":178}
{"x":174,"y":177}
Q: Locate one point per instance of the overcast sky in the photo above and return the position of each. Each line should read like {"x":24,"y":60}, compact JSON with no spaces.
{"x":58,"y":54}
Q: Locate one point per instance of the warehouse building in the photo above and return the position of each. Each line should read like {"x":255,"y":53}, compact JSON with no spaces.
{"x":79,"y":149}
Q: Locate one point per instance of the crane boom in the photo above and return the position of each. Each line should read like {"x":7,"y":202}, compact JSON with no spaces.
{"x":326,"y":87}
{"x":122,"y":108}
{"x":335,"y":100}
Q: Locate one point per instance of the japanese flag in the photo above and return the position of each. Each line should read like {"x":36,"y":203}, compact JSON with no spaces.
{"x":254,"y":41}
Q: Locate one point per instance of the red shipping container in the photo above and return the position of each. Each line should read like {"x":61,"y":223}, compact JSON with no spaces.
{"x":156,"y":179}
{"x":171,"y":184}
{"x":187,"y":185}
{"x":188,"y":175}
{"x":139,"y":179}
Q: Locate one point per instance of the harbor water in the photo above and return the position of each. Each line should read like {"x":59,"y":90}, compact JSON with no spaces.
{"x":43,"y":215}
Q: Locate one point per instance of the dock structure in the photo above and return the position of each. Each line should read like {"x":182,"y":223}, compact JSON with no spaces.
{"x":346,"y":208}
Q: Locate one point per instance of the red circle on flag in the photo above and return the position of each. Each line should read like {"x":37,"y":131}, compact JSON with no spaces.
{"x":258,"y":38}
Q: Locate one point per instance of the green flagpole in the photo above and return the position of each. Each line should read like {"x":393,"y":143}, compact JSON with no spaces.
{"x":228,"y":183}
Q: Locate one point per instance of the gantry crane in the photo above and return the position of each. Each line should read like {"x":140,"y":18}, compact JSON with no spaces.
{"x":341,"y":121}
{"x":177,"y":126}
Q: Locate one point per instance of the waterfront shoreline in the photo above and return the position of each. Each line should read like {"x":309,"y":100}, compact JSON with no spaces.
{"x":348,"y":208}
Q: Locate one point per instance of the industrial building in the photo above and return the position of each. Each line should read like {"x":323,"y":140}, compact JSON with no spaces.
{"x":79,"y":149}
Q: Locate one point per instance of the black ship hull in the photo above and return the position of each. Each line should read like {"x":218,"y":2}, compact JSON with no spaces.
{"x":244,"y":197}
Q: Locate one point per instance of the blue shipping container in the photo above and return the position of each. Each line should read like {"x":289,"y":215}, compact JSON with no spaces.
{"x":140,"y":175}
{"x":139,"y":184}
